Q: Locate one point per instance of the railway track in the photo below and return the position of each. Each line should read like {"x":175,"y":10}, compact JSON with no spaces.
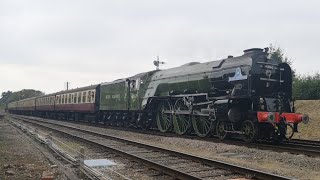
{"x":176,"y":164}
{"x":294,"y":146}
{"x":305,"y":142}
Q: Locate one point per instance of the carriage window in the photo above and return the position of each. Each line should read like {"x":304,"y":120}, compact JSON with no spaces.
{"x":66,"y":98}
{"x":62,"y":99}
{"x":89,"y":97}
{"x":75,"y":98}
{"x":84,"y":94}
{"x":79,"y":97}
{"x":72,"y":95}
{"x":92,"y":96}
{"x":69,"y":98}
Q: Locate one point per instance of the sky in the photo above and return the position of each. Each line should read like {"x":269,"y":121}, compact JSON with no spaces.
{"x":45,"y":43}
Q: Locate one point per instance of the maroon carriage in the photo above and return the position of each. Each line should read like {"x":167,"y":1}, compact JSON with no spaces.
{"x":45,"y":104}
{"x":25,"y":106}
{"x":72,"y":104}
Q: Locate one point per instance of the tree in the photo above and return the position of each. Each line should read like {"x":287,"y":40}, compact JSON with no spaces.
{"x":307,"y":87}
{"x":5,"y":96}
{"x":9,"y":96}
{"x":304,"y":86}
{"x":278,"y":54}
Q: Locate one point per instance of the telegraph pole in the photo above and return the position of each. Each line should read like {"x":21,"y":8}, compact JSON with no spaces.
{"x":67,"y":85}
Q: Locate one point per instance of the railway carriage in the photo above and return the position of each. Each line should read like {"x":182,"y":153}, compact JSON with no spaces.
{"x":76,"y":103}
{"x":12,"y":106}
{"x":45,"y":105}
{"x":25,"y":106}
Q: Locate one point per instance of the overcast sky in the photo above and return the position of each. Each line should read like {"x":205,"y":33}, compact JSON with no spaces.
{"x":44,"y":43}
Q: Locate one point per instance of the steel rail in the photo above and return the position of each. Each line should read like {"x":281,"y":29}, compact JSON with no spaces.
{"x":305,"y":142}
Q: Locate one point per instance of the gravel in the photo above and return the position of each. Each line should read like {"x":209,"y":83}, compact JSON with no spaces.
{"x":297,"y":166}
{"x":124,"y":167}
{"x":18,"y":158}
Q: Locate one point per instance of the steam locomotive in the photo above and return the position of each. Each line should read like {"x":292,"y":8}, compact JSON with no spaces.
{"x":248,"y":96}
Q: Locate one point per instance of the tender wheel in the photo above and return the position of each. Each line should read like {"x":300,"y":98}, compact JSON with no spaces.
{"x":164,"y":118}
{"x":181,"y":122}
{"x":249,"y":130}
{"x":289,"y":131}
{"x":203,"y":125}
{"x":220,"y":130}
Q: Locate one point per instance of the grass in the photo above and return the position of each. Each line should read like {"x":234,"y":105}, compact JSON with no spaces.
{"x":312,"y":129}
